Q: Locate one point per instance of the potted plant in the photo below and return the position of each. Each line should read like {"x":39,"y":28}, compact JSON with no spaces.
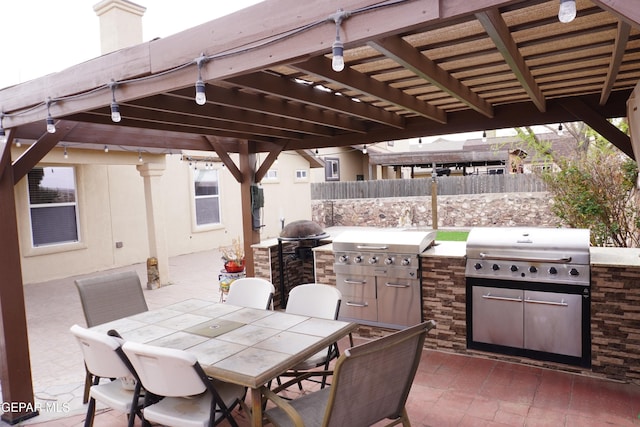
{"x":233,"y":256}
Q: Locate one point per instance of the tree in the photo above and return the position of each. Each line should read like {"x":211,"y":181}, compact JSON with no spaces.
{"x":594,"y":188}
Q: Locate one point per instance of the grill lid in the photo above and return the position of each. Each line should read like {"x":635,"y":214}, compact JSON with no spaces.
{"x":381,"y":240}
{"x":555,"y":245}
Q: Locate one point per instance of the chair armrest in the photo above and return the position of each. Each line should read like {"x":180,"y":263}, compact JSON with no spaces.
{"x":284,"y":406}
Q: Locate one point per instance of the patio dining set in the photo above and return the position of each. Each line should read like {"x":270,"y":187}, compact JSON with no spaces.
{"x":193,"y":362}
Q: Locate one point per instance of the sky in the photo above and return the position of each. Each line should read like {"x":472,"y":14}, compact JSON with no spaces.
{"x":39,"y":37}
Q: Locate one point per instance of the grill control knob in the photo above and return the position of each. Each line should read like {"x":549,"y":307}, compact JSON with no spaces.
{"x":373,"y":260}
{"x":388,"y":261}
{"x":533,"y":269}
{"x":343,"y":258}
{"x":405,"y":262}
{"x":574,"y":272}
{"x":495,"y":267}
{"x":553,"y":270}
{"x":477,"y":266}
{"x":514,"y":268}
{"x":357,"y":259}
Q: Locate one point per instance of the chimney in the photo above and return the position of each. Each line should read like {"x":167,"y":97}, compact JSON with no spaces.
{"x":120,"y":24}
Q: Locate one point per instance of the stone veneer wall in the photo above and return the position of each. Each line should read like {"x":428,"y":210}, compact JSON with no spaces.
{"x":615,"y":315}
{"x":468,"y":210}
{"x":615,"y":321}
{"x":267,"y":266}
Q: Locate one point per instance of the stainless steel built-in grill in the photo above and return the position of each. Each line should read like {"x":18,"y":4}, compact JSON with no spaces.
{"x":528,"y":293}
{"x":378,"y":273}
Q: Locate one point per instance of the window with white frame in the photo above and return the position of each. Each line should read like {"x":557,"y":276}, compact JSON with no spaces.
{"x":53,"y":205}
{"x":207,"y":196}
{"x":272,"y":174}
{"x":301,"y":175}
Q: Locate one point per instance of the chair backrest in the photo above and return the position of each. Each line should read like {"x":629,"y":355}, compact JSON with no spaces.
{"x":100,"y":352}
{"x":111,"y":297}
{"x":315,"y":300}
{"x":371,"y":381}
{"x":165,"y":371}
{"x":252,"y":292}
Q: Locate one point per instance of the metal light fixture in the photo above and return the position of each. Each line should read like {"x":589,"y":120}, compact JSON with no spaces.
{"x":567,"y":11}
{"x":51,"y":125}
{"x":115,"y":108}
{"x":337,"y":49}
{"x":201,"y":96}
{"x":3,"y":135}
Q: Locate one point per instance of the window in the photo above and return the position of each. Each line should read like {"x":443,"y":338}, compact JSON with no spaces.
{"x":301,"y":175}
{"x":332,"y":169}
{"x":53,"y":205}
{"x":272,"y":174}
{"x":207,"y":196}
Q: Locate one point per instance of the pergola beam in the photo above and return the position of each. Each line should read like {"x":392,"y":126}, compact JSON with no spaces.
{"x":349,"y":78}
{"x":499,"y":32}
{"x":406,"y":55}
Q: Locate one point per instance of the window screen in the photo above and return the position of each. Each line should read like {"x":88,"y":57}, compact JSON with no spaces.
{"x":52,"y":205}
{"x":207,"y":197}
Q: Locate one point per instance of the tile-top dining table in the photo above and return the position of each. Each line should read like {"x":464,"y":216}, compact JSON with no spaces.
{"x":239,"y":345}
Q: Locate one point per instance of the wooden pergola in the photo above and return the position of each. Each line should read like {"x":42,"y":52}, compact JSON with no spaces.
{"x":412,"y":68}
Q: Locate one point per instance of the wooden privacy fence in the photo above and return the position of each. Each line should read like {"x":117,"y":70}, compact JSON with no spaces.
{"x":447,"y":186}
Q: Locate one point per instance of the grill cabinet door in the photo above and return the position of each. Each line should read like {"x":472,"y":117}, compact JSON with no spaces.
{"x":358,"y":297}
{"x":498,"y":316}
{"x":399,"y":298}
{"x":553,"y":322}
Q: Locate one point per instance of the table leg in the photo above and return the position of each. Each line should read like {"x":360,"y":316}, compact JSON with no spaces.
{"x":256,"y":407}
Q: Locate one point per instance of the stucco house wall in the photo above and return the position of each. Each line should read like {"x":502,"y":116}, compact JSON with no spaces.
{"x":113,"y":217}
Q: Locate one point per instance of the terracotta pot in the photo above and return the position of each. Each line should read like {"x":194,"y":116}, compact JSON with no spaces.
{"x":233,"y":267}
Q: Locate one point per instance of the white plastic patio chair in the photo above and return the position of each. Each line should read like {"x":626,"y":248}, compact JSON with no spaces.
{"x":252,"y":292}
{"x":313,"y":300}
{"x":191,"y":399}
{"x":371,"y":383}
{"x":104,"y":359}
{"x":109,"y":297}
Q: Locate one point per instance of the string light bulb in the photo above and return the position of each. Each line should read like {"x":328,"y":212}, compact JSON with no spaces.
{"x":364,"y":149}
{"x":139,"y":156}
{"x":484,"y":136}
{"x":64,"y":153}
{"x":51,"y":125}
{"x":560,"y":130}
{"x":106,"y":149}
{"x":3,"y":135}
{"x":337,"y":49}
{"x":115,"y":108}
{"x":567,"y":11}
{"x":201,"y":96}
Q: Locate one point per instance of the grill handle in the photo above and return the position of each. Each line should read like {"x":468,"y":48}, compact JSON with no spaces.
{"x":489,"y":296}
{"x":535,"y":301}
{"x":373,"y":247}
{"x":396,"y":285}
{"x":525,"y":259}
{"x":357,"y":304}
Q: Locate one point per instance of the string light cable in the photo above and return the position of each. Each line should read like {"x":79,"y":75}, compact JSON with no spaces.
{"x":336,"y":18}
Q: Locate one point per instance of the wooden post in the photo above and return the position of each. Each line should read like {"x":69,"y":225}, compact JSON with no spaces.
{"x":15,"y":373}
{"x":434,"y":198}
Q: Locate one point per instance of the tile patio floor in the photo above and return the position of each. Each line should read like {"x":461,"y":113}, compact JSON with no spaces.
{"x":449,"y":390}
